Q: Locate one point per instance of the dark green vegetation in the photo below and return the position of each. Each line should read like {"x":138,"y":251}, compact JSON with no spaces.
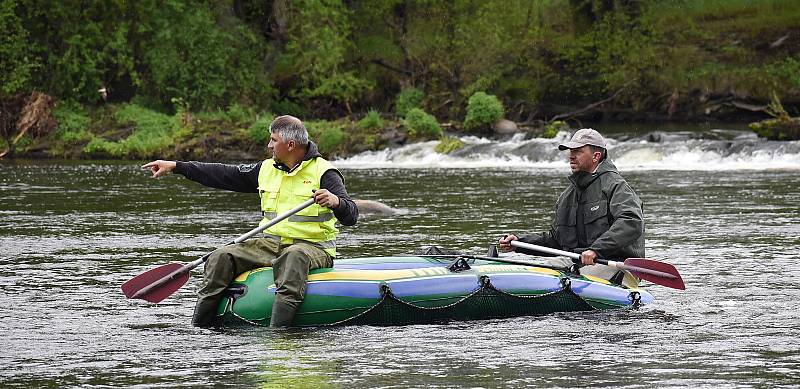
{"x":781,"y":127}
{"x":201,"y":78}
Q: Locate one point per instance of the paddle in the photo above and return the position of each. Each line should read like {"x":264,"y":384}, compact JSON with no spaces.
{"x":157,"y":284}
{"x":493,"y":259}
{"x":660,"y":273}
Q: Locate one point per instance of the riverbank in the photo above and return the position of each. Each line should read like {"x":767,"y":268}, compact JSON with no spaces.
{"x":213,"y":74}
{"x":129,"y":131}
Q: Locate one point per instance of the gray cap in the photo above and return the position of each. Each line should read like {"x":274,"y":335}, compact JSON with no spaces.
{"x":583,"y":137}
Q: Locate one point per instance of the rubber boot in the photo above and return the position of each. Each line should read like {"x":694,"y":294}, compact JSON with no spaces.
{"x":205,"y":313}
{"x":282,"y":314}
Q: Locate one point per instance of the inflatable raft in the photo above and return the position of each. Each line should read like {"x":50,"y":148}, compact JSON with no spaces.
{"x":423,"y":289}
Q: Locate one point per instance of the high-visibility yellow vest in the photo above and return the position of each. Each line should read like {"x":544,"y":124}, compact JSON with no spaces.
{"x":280,"y":191}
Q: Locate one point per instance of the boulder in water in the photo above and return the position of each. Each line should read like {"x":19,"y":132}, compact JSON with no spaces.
{"x":374,"y":207}
{"x":505,"y":127}
{"x":781,"y":128}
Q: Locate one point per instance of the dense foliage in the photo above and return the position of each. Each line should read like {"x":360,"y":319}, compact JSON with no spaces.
{"x":421,"y":124}
{"x":331,"y":57}
{"x":327,"y":59}
{"x":482,"y":111}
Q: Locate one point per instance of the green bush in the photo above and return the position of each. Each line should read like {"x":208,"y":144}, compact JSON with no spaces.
{"x":145,"y":119}
{"x":482,"y":111}
{"x":236,"y":115}
{"x":99,"y":146}
{"x":551,"y":129}
{"x":73,"y":122}
{"x":406,"y":100}
{"x":239,"y":114}
{"x":18,"y":64}
{"x":786,"y":72}
{"x":448,"y":144}
{"x":784,"y":128}
{"x":328,"y":136}
{"x":371,"y":121}
{"x":259,"y":130}
{"x":421,"y":124}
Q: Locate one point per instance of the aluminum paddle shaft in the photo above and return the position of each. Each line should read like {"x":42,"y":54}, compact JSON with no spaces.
{"x":157,"y":284}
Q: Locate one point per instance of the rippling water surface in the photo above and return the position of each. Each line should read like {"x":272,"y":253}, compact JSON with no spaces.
{"x":72,"y":233}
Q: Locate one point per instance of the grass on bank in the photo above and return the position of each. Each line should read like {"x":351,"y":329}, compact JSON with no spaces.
{"x":144,"y":133}
{"x":131,"y":131}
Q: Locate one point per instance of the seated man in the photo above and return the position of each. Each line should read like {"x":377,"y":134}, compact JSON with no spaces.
{"x":293,"y":247}
{"x":598,"y":215}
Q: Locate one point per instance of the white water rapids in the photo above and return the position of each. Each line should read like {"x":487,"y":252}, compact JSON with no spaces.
{"x":709,"y":151}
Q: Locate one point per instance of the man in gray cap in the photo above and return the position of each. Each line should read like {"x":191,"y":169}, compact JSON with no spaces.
{"x":599,"y":215}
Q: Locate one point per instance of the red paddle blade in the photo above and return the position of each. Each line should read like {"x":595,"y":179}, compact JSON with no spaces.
{"x":657,"y":272}
{"x":157,"y":284}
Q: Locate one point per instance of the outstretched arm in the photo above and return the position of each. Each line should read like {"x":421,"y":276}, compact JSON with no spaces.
{"x":237,"y":178}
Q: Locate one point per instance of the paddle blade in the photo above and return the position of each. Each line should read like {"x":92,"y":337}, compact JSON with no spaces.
{"x":157,"y":284}
{"x":668,"y":276}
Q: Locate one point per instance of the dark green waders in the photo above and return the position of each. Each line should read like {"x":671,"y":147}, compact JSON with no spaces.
{"x":290,"y":265}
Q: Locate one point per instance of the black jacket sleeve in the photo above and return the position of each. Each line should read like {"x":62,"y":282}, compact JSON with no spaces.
{"x":347,"y":213}
{"x":236,"y":178}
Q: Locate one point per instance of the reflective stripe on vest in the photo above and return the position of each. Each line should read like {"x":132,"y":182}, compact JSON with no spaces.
{"x":296,"y":218}
{"x":280,"y":191}
{"x":325,"y":245}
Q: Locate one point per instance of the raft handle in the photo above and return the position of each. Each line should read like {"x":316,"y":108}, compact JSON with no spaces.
{"x":460,"y":264}
{"x":635,"y":298}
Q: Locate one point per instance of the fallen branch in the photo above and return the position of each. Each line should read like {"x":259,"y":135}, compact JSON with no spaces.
{"x":587,"y":108}
{"x":380,"y":62}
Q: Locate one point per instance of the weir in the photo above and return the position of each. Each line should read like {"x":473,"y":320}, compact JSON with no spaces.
{"x":705,"y":151}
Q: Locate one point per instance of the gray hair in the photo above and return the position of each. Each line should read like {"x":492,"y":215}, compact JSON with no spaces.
{"x":602,"y":150}
{"x":290,"y":128}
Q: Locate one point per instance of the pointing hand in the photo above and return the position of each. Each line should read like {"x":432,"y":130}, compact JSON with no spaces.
{"x":160,"y":168}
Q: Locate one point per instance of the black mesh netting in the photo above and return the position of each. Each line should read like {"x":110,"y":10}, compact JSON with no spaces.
{"x":485,"y":303}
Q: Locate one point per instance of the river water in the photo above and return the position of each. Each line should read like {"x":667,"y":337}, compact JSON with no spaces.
{"x":724,"y":209}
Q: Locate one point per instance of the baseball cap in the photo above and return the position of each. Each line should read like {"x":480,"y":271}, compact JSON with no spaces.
{"x":583,"y":137}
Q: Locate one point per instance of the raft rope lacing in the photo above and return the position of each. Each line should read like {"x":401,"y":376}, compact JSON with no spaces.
{"x":391,"y":310}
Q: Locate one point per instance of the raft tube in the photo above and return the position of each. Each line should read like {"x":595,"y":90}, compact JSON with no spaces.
{"x":405,"y":290}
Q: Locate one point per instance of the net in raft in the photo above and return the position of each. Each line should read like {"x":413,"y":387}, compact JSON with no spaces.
{"x":484,"y":303}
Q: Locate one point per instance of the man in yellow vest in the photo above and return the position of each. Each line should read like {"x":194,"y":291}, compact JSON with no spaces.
{"x":293,"y":247}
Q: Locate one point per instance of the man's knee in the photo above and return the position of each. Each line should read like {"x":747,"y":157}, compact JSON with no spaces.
{"x":316,"y":256}
{"x":292,"y":266}
{"x":218,"y":271}
{"x":305,"y":255}
{"x":220,"y":260}
{"x":291,"y":273}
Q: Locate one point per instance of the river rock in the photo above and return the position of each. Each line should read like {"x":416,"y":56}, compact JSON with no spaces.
{"x":505,"y":127}
{"x":783,"y":128}
{"x":374,"y":207}
{"x":393,"y":137}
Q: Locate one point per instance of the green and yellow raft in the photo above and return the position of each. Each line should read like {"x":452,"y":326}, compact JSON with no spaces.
{"x":405,"y":290}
